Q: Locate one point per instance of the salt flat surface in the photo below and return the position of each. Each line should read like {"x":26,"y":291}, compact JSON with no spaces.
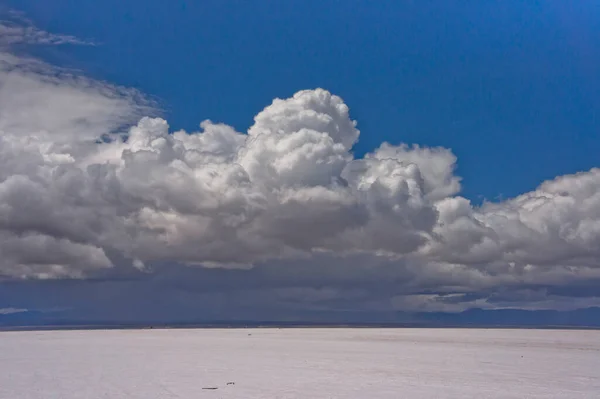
{"x":300,"y":363}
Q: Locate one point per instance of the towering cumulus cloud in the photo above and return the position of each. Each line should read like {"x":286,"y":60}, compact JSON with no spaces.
{"x":90,"y":186}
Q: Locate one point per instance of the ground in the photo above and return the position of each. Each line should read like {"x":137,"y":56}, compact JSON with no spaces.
{"x":300,"y":363}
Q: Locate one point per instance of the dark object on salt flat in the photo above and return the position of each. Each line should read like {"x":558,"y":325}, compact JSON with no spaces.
{"x":231,"y":383}
{"x":211,"y":388}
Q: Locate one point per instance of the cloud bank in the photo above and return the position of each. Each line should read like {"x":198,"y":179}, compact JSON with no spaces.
{"x":90,"y":187}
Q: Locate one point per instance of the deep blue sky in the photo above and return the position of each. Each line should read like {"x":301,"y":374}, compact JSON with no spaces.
{"x":511,"y":86}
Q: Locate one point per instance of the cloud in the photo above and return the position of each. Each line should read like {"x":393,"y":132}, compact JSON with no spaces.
{"x":16,"y":29}
{"x":5,"y":311}
{"x":91,"y":187}
{"x":49,"y":121}
{"x":288,"y":188}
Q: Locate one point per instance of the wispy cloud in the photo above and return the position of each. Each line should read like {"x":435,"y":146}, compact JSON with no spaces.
{"x":17,"y":29}
{"x":5,"y":311}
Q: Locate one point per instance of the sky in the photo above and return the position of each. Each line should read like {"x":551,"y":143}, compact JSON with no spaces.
{"x":271,"y":159}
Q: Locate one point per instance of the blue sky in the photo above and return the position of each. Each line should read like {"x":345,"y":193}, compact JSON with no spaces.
{"x":284,"y":220}
{"x":511,"y":87}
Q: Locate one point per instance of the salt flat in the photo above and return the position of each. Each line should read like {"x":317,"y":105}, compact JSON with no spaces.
{"x":300,"y":363}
